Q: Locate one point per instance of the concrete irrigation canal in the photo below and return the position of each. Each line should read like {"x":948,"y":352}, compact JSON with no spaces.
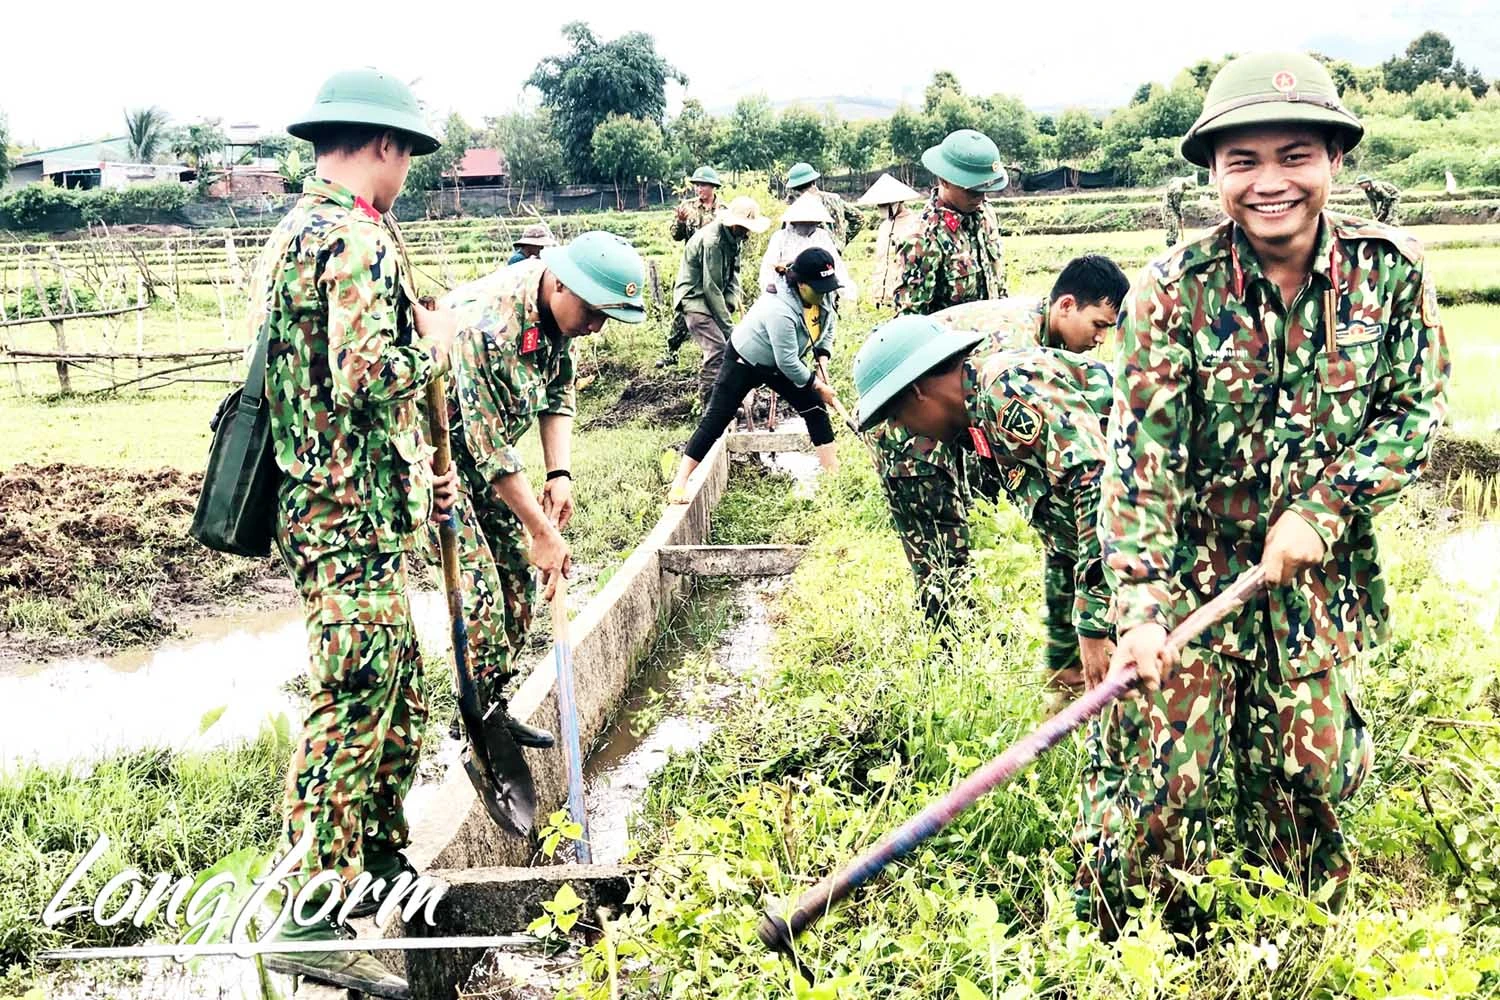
{"x":636,"y":707}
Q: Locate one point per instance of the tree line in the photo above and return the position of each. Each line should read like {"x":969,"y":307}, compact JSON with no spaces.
{"x":601,"y":118}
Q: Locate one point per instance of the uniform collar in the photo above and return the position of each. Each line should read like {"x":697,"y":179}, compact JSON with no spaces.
{"x":1044,"y":330}
{"x":339,"y":195}
{"x":1246,"y":267}
{"x":531,"y":296}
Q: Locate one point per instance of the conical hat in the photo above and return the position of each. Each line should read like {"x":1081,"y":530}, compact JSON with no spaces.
{"x":886,"y":191}
{"x":808,"y":208}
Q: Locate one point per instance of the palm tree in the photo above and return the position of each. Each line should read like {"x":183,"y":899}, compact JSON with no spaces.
{"x":146,"y":129}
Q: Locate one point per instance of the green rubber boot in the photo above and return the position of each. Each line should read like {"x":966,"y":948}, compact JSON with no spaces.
{"x":352,"y":970}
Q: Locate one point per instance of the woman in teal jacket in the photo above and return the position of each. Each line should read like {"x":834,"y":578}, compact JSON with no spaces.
{"x":776,"y":345}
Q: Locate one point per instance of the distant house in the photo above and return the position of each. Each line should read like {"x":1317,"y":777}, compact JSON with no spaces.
{"x":105,"y":163}
{"x":480,"y":168}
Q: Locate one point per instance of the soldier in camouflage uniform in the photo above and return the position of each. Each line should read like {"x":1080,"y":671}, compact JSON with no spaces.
{"x":1031,"y":418}
{"x":847,"y":220}
{"x":1279,"y":382}
{"x":692,"y":214}
{"x":955,"y":255}
{"x":702,"y":208}
{"x":1384,"y":198}
{"x":1171,"y":214}
{"x":929,"y":486}
{"x":513,"y":366}
{"x":349,"y":355}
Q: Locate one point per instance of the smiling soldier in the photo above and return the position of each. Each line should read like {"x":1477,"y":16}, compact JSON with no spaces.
{"x":1279,"y":382}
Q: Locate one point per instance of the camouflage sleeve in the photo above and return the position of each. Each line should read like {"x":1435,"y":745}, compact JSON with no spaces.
{"x":1404,"y":413}
{"x":485,"y":401}
{"x":1042,"y":419}
{"x":1142,"y":486}
{"x":680,"y":228}
{"x":918,"y":283}
{"x":855,"y":220}
{"x":370,"y":365}
{"x":930,"y":519}
{"x":1057,"y":588}
{"x":561,"y":392}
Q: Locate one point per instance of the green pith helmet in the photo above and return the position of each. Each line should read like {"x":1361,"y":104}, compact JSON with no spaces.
{"x":367,"y":97}
{"x":1269,"y":88}
{"x":1364,"y":179}
{"x":706,"y":175}
{"x":800,"y":174}
{"x":967,"y":159}
{"x":897,"y":354}
{"x":605,"y":271}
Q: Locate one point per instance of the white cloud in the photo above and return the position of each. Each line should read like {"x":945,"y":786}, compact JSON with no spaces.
{"x":261,"y":65}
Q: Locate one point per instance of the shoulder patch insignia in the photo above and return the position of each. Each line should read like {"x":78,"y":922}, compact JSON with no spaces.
{"x":531,"y":339}
{"x":1021,"y":421}
{"x":1429,"y":302}
{"x":981,"y":443}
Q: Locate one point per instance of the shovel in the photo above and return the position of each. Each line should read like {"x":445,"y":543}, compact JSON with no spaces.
{"x":495,"y":764}
{"x":779,"y":933}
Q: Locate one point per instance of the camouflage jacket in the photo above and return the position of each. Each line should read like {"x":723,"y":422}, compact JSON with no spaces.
{"x":929,"y":485}
{"x":1231,"y":409}
{"x":694,"y":215}
{"x":1038,"y":414}
{"x":507,"y":368}
{"x":708,"y":280}
{"x":950,"y":259}
{"x":345,"y":372}
{"x":1383,"y":197}
{"x":847,"y":220}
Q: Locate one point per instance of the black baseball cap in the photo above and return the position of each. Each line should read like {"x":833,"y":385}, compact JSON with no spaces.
{"x":814,"y":267}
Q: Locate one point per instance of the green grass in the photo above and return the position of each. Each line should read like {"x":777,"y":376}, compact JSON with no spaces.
{"x":866,"y":718}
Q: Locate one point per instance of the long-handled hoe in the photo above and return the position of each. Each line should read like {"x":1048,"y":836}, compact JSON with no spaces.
{"x":779,"y":932}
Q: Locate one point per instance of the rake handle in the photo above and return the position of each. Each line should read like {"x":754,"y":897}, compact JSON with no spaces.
{"x":778,"y":932}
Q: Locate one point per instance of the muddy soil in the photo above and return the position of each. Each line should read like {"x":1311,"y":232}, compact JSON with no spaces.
{"x":660,"y":397}
{"x":1453,"y":455}
{"x":95,"y":559}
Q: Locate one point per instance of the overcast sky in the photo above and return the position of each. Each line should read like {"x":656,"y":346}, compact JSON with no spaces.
{"x":67,"y":75}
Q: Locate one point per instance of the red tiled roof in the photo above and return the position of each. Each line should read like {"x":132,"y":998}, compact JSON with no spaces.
{"x":482,"y":163}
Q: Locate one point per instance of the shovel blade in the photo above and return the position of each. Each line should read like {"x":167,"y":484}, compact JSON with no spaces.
{"x":508,"y":796}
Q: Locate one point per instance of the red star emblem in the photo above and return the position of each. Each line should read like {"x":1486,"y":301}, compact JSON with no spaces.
{"x":1285,"y":81}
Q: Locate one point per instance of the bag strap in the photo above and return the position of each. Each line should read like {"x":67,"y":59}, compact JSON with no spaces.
{"x":255,"y":376}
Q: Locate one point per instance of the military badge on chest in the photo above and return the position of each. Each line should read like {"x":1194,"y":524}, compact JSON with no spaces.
{"x":531,"y":339}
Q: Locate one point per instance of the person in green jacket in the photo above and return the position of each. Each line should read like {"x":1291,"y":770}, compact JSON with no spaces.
{"x":707,"y":291}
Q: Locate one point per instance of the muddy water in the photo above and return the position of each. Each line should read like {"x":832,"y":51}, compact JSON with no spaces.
{"x":1470,"y":560}
{"x":693,"y":693}
{"x":675,"y":706}
{"x":87,"y":708}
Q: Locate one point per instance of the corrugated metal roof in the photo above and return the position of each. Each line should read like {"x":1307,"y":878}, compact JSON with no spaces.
{"x":115,"y":150}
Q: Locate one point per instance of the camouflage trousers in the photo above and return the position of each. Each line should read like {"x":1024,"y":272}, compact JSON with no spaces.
{"x":356,"y":756}
{"x":1299,"y":747}
{"x":499,"y":586}
{"x":1173,"y":223}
